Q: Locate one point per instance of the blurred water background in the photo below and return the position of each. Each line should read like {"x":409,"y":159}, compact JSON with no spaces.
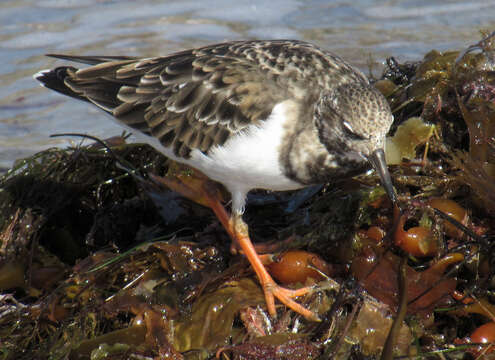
{"x":364,"y":32}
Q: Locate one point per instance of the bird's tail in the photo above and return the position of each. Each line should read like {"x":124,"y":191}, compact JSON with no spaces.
{"x":55,"y":79}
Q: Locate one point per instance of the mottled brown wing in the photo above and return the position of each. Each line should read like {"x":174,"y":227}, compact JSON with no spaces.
{"x":197,"y":98}
{"x":193,"y":99}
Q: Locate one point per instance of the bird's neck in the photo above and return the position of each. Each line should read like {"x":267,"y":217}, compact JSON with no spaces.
{"x":306,"y":159}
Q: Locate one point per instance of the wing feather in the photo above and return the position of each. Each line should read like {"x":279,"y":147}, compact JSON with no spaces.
{"x":196,"y":99}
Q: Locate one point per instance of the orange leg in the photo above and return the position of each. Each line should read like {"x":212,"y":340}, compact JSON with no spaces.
{"x":267,"y":247}
{"x":272,"y":290}
{"x":208,"y":194}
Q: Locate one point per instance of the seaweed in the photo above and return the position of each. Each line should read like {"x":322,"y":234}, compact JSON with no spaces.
{"x":99,"y":261}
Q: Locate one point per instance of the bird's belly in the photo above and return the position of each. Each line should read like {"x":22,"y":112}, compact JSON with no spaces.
{"x":248,"y":160}
{"x":250,"y":170}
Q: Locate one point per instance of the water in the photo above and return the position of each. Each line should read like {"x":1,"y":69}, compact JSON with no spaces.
{"x":362,"y":31}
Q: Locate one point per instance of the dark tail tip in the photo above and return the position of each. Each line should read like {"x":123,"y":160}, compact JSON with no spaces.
{"x":55,"y":79}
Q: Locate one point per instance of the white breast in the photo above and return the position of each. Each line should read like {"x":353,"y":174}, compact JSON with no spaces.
{"x":248,"y":160}
{"x":251,"y":157}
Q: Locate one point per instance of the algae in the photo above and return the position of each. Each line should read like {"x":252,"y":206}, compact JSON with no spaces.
{"x":99,"y":261}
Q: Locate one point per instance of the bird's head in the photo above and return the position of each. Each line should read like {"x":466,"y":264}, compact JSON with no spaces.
{"x":352,"y":123}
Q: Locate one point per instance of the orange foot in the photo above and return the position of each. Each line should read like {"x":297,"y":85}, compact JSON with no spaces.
{"x":200,"y":189}
{"x":238,"y":230}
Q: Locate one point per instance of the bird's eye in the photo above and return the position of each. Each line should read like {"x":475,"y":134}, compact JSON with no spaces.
{"x":349,"y":131}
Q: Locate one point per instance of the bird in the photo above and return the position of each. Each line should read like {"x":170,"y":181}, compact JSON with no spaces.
{"x":257,"y":114}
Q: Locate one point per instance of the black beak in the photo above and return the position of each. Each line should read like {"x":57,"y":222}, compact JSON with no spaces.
{"x":377,"y":159}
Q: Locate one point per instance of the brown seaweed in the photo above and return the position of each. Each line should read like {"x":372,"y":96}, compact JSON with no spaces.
{"x":97,"y":261}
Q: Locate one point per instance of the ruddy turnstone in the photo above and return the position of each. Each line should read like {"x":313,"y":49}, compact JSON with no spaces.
{"x":275,"y":115}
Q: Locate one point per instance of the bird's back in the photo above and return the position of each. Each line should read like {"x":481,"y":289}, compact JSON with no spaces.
{"x":198,"y":98}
